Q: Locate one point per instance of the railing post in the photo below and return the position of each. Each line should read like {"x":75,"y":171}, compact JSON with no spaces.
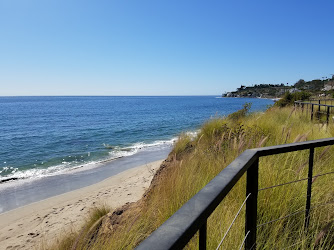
{"x":309,"y":189}
{"x":312,"y":108}
{"x":202,"y":236}
{"x":319,"y":108}
{"x":327,"y":114}
{"x":251,"y":205}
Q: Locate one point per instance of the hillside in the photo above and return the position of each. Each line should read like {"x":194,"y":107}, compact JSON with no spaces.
{"x":195,"y":161}
{"x":316,"y":87}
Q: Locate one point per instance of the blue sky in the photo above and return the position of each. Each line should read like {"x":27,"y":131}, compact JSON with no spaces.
{"x":150,"y":47}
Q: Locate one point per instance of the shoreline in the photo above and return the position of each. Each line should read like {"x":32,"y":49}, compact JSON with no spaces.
{"x":119,"y":153}
{"x":23,"y":192}
{"x":41,"y":222}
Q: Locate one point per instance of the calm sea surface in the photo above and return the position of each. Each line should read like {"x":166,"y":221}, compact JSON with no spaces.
{"x":43,"y":136}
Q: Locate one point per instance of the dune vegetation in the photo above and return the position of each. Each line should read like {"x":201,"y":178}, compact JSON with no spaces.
{"x":195,"y":161}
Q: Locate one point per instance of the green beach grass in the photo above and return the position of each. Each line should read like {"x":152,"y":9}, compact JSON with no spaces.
{"x":195,"y":161}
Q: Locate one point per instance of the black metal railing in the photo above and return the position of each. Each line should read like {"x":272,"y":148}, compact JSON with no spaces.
{"x":316,"y":107}
{"x":192,"y":217}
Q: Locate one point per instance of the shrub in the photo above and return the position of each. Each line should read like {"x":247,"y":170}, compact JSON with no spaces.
{"x":289,"y":98}
{"x":240,"y":113}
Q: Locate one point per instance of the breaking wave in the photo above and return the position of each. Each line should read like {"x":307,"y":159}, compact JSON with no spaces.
{"x":8,"y":174}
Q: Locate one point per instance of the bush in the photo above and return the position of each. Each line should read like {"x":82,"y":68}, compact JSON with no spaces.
{"x":240,"y":113}
{"x":289,"y":98}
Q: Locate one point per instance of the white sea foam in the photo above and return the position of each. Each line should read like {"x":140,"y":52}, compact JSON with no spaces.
{"x":193,"y":134}
{"x":119,"y":152}
{"x":34,"y":172}
{"x":115,"y":153}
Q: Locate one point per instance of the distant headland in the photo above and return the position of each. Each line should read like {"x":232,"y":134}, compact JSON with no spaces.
{"x":316,"y":87}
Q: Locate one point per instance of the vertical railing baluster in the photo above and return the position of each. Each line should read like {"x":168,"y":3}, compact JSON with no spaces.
{"x":312,"y":108}
{"x":252,"y":186}
{"x":202,"y":236}
{"x":309,"y":189}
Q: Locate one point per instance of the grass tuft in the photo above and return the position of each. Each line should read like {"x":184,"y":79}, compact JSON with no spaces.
{"x":83,"y":239}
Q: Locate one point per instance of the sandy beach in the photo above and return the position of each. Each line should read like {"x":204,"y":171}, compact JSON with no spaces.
{"x":39,"y":223}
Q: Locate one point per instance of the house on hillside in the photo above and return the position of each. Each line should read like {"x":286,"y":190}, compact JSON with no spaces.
{"x":328,"y":86}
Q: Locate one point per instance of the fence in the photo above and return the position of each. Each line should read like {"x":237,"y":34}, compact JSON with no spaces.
{"x":322,"y":101}
{"x":192,"y":217}
{"x":322,"y":108}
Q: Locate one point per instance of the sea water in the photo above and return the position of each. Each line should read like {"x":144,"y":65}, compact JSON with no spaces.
{"x":42,"y":136}
{"x":53,"y":145}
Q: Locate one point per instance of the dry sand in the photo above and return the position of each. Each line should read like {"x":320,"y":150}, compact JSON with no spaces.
{"x":32,"y":225}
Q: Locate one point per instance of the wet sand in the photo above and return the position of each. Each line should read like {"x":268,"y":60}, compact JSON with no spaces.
{"x":39,"y":223}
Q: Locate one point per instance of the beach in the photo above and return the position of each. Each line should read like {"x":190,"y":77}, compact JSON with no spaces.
{"x":40,"y":223}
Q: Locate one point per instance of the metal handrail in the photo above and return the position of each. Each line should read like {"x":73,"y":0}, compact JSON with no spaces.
{"x":312,"y":103}
{"x":177,"y":231}
{"x":330,"y":99}
{"x":327,"y":112}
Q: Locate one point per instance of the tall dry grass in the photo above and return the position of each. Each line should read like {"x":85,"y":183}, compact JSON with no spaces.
{"x":194,"y":162}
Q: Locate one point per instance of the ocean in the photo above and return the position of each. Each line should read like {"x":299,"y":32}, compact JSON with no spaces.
{"x":51,"y":136}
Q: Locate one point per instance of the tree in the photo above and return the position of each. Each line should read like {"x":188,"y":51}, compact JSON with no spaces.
{"x":300,"y":84}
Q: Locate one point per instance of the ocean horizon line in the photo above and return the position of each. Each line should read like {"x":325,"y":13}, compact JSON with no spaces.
{"x":1,"y":96}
